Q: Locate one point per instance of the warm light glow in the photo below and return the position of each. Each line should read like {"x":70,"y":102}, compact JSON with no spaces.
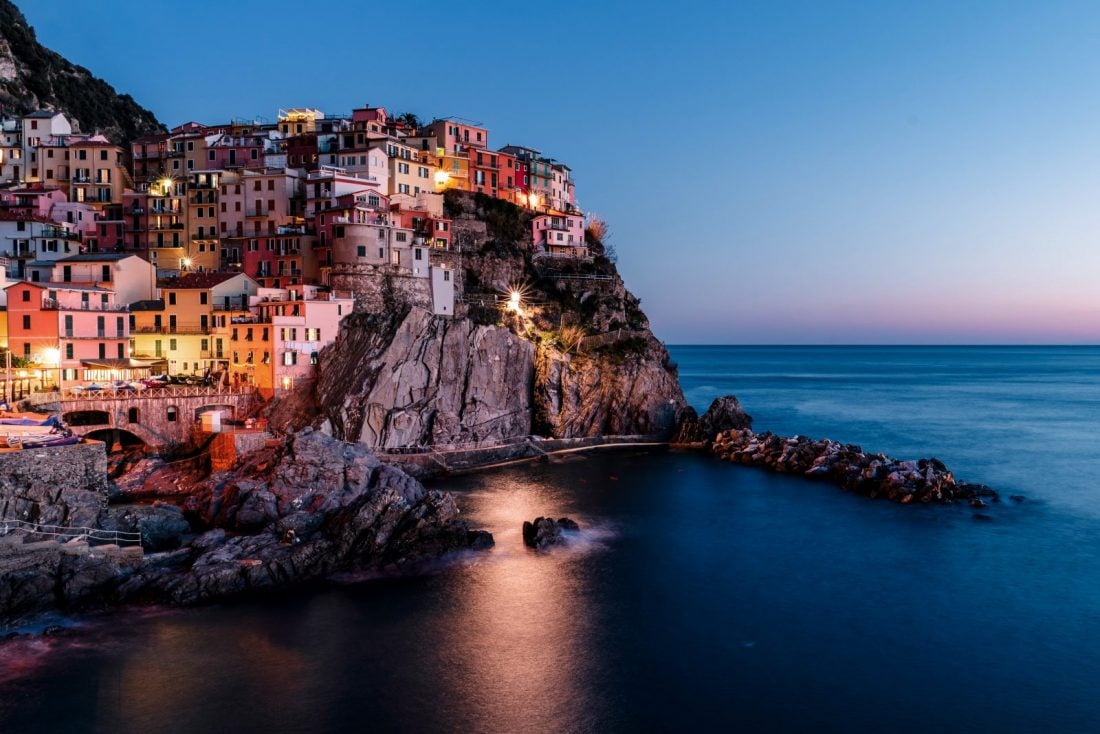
{"x":51,"y":357}
{"x":22,"y":373}
{"x":514,"y":301}
{"x":441,"y":178}
{"x":165,"y":185}
{"x":287,"y":383}
{"x":186,"y":262}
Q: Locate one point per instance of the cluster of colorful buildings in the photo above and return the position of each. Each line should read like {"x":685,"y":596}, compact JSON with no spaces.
{"x":217,"y":250}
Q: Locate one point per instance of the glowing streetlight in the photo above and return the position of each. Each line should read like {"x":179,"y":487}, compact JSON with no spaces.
{"x":186,"y":263}
{"x":51,"y":357}
{"x":515,"y":302}
{"x":165,"y":185}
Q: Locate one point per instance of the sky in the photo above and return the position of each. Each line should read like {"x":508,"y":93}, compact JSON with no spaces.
{"x":772,"y":172}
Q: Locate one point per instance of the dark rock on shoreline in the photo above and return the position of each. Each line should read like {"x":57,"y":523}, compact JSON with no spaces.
{"x":724,"y":414}
{"x":847,"y":465}
{"x":544,"y":532}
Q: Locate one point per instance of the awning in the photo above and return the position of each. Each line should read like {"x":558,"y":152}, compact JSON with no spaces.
{"x":123,"y":364}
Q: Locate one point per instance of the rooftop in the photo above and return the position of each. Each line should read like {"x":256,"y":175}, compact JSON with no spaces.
{"x":199,"y":281}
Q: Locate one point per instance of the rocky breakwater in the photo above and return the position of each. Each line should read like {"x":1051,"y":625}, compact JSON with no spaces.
{"x":847,"y":465}
{"x":304,"y":511}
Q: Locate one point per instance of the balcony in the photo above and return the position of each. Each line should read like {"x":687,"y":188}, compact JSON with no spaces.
{"x":58,"y":233}
{"x":50,"y":304}
{"x":255,"y":213}
{"x":100,"y":334}
{"x":178,"y":329}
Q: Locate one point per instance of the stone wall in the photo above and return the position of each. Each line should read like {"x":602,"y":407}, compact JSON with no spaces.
{"x":379,"y":288}
{"x":64,"y":485}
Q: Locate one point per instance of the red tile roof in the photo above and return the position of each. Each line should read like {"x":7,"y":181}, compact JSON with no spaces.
{"x":198,"y":281}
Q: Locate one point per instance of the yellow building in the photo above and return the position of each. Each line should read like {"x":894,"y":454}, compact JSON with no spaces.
{"x":190,"y":323}
{"x":411,"y":171}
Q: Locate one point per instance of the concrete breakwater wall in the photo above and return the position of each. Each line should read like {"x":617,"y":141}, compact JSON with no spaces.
{"x":63,"y":485}
{"x":462,"y":459}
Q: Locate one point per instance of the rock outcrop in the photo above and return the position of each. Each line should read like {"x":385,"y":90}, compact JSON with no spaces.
{"x":847,"y":465}
{"x":33,"y":77}
{"x":543,"y":532}
{"x":724,"y":414}
{"x":304,"y":511}
{"x":580,"y":395}
{"x":420,"y":379}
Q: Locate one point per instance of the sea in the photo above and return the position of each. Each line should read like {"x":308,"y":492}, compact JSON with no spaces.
{"x":698,"y":596}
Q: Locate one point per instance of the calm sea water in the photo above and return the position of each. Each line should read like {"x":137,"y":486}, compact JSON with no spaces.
{"x":699,"y":595}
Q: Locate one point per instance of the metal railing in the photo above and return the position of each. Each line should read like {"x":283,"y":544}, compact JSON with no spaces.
{"x":65,"y":534}
{"x":109,"y":393}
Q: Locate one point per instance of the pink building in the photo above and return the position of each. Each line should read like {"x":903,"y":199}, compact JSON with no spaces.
{"x":559,"y":235}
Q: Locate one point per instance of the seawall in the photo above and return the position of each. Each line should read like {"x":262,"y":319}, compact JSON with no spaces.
{"x":63,"y":485}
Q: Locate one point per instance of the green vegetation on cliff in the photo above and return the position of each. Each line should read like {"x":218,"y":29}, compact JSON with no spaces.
{"x":33,"y":77}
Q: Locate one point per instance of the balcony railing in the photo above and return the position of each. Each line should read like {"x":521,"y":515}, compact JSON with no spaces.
{"x":178,"y":329}
{"x":50,"y":304}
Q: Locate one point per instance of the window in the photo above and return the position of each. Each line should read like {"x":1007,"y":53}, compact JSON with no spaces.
{"x":69,"y":351}
{"x":133,"y":415}
{"x":102,"y":350}
{"x":290,"y":358}
{"x":203,"y":297}
{"x":171,"y":413}
{"x":446,"y":275}
{"x":121,"y":353}
{"x":26,"y":322}
{"x":26,"y":295}
{"x":362,"y":250}
{"x":171,"y":298}
{"x":171,"y":345}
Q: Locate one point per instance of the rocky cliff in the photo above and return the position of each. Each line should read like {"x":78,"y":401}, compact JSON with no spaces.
{"x":576,"y":359}
{"x":33,"y":77}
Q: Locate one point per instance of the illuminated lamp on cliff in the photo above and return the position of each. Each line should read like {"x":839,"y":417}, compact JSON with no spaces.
{"x":515,"y":302}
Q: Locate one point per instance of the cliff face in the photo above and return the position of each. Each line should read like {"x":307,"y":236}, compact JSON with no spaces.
{"x":577,"y":395}
{"x":577,"y":360}
{"x":33,"y":77}
{"x":420,"y":379}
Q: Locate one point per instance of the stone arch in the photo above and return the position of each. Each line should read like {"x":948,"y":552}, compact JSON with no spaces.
{"x":131,"y":436}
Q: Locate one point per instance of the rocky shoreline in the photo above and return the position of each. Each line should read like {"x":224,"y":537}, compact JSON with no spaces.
{"x":302,"y":512}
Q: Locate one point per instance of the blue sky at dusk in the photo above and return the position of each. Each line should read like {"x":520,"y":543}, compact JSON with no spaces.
{"x":797,"y":172}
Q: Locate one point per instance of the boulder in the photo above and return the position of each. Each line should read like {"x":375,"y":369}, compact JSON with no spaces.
{"x":724,"y":414}
{"x":543,"y":532}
